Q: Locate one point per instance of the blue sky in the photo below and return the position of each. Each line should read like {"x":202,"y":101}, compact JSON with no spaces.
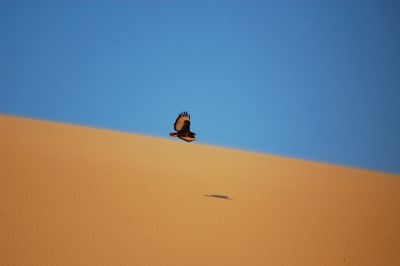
{"x":316,"y":80}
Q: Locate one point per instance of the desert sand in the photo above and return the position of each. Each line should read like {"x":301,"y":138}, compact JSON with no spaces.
{"x":71,"y":195}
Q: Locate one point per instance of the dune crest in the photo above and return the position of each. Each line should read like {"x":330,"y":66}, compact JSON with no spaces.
{"x":72,"y":195}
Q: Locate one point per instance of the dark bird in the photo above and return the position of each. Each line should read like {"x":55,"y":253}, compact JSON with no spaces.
{"x":182,"y":127}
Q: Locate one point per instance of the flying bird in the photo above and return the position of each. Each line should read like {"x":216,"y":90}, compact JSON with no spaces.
{"x":182,"y":126}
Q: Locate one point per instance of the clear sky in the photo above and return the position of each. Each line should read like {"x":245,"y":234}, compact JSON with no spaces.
{"x":316,"y":80}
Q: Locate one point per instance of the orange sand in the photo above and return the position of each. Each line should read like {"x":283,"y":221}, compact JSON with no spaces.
{"x":71,"y":195}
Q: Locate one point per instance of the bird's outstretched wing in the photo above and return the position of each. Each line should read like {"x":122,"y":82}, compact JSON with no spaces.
{"x":182,"y":123}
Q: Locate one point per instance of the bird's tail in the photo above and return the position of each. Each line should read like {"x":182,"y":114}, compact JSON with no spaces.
{"x":173,"y":134}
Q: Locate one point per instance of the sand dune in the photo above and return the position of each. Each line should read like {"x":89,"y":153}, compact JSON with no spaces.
{"x":71,"y":195}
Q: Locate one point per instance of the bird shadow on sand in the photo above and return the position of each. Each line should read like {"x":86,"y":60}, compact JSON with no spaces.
{"x":218,"y":196}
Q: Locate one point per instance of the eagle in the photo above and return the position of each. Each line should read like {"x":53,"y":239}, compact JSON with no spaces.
{"x":182,"y":126}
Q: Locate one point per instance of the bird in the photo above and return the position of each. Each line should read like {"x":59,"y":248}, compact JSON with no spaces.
{"x":182,"y":127}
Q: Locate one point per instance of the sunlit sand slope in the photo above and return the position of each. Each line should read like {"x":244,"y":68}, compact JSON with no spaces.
{"x":78,"y":196}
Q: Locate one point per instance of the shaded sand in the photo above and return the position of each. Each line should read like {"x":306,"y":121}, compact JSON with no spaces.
{"x":77,"y":196}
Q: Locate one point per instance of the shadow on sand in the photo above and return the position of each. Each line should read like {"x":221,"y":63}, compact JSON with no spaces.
{"x":218,"y":196}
